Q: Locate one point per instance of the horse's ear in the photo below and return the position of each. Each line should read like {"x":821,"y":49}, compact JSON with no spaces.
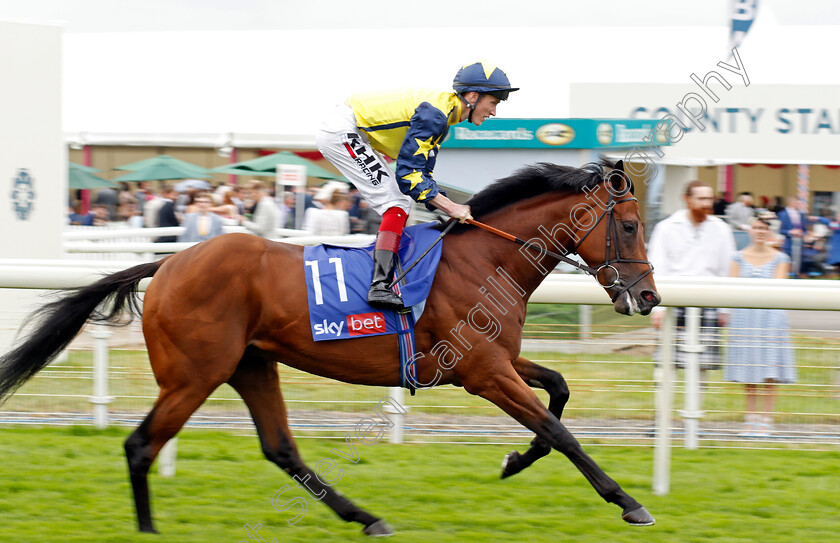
{"x":620,"y":180}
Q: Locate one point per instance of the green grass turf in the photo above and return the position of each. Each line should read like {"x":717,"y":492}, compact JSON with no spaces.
{"x":70,"y":485}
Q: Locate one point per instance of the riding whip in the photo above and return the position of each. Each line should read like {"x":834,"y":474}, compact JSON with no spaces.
{"x":450,"y":224}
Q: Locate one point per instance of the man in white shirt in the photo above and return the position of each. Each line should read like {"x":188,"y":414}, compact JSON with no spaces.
{"x":693,"y":242}
{"x":264,"y":223}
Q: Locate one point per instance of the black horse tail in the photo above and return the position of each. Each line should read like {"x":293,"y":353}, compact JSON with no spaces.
{"x":61,"y":321}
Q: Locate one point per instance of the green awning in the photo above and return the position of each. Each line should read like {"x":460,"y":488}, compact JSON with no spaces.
{"x":80,"y":178}
{"x":165,"y":160}
{"x":267,"y":165}
{"x":161,"y":172}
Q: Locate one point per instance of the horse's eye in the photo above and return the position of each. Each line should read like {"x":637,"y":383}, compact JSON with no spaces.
{"x":629,"y":227}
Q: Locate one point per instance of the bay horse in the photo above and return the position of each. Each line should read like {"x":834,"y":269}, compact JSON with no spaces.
{"x":229,"y":309}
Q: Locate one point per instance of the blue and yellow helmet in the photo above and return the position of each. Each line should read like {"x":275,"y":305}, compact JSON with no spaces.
{"x":483,"y":77}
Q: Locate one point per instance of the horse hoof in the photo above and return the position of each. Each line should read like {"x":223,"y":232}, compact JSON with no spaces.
{"x":378,"y":529}
{"x":638,"y":517}
{"x":510,"y":464}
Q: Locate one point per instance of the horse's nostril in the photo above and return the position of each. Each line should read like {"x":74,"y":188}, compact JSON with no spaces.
{"x":649,"y":296}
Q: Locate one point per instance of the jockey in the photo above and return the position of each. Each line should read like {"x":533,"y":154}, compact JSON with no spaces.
{"x":408,"y":126}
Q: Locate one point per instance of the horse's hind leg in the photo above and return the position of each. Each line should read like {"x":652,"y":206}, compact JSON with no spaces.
{"x":257,"y":381}
{"x":558,"y":393}
{"x":171,"y":410}
{"x":507,"y":390}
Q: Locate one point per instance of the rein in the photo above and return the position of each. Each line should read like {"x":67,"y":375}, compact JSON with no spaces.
{"x":612,"y":231}
{"x":533,"y":246}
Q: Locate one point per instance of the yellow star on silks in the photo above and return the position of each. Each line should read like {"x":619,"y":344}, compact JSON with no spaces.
{"x":414,"y":178}
{"x":423,"y":195}
{"x":424,"y":147}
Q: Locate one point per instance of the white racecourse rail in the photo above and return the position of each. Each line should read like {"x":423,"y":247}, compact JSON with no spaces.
{"x":423,"y":423}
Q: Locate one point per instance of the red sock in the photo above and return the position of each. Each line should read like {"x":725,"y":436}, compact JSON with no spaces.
{"x":390,"y":231}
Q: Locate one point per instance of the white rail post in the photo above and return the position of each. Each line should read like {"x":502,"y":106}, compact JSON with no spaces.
{"x":166,"y":458}
{"x":692,"y":347}
{"x":395,"y":435}
{"x":585,"y":317}
{"x":100,"y":398}
{"x":664,"y":405}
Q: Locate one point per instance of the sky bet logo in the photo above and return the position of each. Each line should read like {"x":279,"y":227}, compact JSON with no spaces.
{"x":363,"y":324}
{"x":328,"y":328}
{"x":360,"y":324}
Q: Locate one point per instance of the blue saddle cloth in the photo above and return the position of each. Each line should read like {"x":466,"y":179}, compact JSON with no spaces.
{"x":338,"y":279}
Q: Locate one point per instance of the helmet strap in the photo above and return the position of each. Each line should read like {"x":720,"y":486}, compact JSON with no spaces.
{"x":470,"y":106}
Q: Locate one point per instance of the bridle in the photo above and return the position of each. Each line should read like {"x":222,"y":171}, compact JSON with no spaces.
{"x":612,"y":233}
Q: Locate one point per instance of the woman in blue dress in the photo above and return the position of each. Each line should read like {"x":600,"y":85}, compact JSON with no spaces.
{"x":760,"y":353}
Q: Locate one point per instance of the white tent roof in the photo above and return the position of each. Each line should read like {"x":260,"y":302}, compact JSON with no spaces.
{"x":258,"y":73}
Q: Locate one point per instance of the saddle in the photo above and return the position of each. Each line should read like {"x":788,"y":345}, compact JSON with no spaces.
{"x":338,"y":278}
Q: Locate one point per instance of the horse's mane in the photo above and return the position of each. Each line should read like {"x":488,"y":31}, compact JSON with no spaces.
{"x":534,"y":180}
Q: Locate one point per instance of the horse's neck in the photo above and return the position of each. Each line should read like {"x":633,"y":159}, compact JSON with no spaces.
{"x":539,"y":219}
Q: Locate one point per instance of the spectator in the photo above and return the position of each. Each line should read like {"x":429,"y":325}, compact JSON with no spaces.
{"x":109,"y":198}
{"x":833,"y":258}
{"x":151,"y":209}
{"x":368,"y":221}
{"x":290,"y":202}
{"x":166,"y":213}
{"x":125,"y":195}
{"x":793,"y":225}
{"x":76,"y":218}
{"x":692,"y":242}
{"x":132,"y":215}
{"x":739,"y":215}
{"x":143,"y":195}
{"x":814,"y":250}
{"x":227,"y":210}
{"x":264,"y":220}
{"x":332,"y":220}
{"x":355,"y":198}
{"x":236,"y":198}
{"x":201,"y":224}
{"x":101,"y":214}
{"x":184,"y":201}
{"x":288,"y":209}
{"x":760,"y":352}
{"x":720,"y":205}
{"x":309,"y":198}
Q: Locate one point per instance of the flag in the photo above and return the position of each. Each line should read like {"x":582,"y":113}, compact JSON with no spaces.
{"x":742,"y":14}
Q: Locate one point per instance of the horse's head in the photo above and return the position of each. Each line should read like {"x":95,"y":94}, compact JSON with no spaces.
{"x":614,"y":245}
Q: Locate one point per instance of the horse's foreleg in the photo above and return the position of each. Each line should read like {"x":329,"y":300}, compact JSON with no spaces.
{"x":558,"y":393}
{"x":257,"y":381}
{"x":171,"y":410}
{"x":508,"y":391}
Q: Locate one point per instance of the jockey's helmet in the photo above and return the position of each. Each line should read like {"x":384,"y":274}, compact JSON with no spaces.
{"x":483,"y":77}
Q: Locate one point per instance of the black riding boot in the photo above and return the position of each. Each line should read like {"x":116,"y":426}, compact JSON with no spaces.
{"x":379,"y":294}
